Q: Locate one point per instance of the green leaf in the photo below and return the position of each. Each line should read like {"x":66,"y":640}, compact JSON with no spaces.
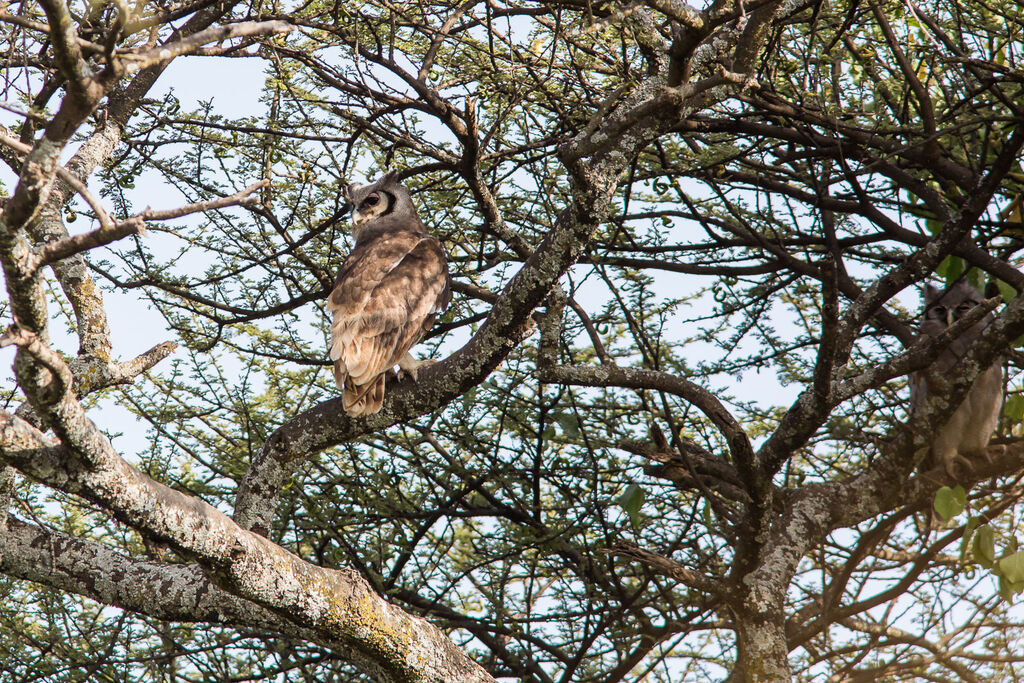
{"x":1014,"y":410}
{"x":951,"y":268}
{"x":960,"y":494}
{"x":630,"y":501}
{"x":1005,"y":590}
{"x":1008,"y":293}
{"x":984,"y":547}
{"x":976,"y":277}
{"x":965,"y":542}
{"x":1011,"y":567}
{"x":949,"y":502}
{"x":570,"y":425}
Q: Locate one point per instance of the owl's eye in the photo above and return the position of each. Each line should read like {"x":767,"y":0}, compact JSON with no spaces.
{"x":371,"y":200}
{"x":938,"y":312}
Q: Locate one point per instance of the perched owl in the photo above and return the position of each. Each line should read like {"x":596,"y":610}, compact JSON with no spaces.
{"x":972,"y":424}
{"x":386,"y":295}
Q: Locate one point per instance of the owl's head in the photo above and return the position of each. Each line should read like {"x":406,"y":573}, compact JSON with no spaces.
{"x":944,"y":307}
{"x":381,"y":198}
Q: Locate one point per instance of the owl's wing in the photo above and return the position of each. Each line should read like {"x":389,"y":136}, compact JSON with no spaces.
{"x":385,"y":297}
{"x":916,"y":380}
{"x":918,"y":391}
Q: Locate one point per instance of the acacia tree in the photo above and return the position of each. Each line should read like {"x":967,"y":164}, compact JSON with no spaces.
{"x":668,"y":439}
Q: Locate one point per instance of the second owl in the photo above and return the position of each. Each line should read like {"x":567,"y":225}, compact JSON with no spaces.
{"x":973,"y":422}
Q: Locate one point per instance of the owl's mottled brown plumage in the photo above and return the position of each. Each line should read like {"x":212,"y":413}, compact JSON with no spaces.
{"x":973,"y":422}
{"x":386,"y":295}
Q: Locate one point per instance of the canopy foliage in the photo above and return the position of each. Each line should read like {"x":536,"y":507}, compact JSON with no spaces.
{"x":669,"y":439}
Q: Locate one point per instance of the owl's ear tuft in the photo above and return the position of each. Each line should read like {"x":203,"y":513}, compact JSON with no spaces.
{"x":389,"y":178}
{"x":351,"y":189}
{"x":931,"y":292}
{"x":964,"y":286}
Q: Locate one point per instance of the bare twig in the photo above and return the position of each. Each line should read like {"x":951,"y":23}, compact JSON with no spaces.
{"x":632,"y":378}
{"x":165,"y":53}
{"x":31,"y":344}
{"x":241,"y":198}
{"x":8,"y":18}
{"x":78,"y":186}
{"x":75,"y":244}
{"x":14,"y":109}
{"x":123,"y":373}
{"x":668,"y":567}
{"x":67,"y":50}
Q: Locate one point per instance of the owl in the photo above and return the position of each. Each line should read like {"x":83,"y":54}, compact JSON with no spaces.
{"x":971,"y":426}
{"x":387,"y":293}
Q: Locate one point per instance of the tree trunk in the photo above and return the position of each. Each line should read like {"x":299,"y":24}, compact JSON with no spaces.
{"x":762,"y":655}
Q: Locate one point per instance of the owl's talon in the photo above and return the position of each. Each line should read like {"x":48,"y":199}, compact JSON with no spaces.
{"x":411,"y":366}
{"x":955,"y":463}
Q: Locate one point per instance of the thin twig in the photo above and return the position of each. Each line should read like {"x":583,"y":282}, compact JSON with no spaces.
{"x":240,"y":197}
{"x":165,"y":53}
{"x":75,"y":244}
{"x":8,"y":18}
{"x":14,"y":109}
{"x":78,"y":186}
{"x":30,"y":343}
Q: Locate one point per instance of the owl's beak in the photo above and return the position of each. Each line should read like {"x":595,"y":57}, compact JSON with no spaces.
{"x":950,"y":317}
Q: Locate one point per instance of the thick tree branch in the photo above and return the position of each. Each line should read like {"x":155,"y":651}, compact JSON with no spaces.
{"x":336,"y":605}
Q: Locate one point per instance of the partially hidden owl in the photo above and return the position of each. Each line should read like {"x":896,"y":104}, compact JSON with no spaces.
{"x":972,"y":424}
{"x":387,"y":293}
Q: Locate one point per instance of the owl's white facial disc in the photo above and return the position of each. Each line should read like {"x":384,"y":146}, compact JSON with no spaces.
{"x":372,"y":206}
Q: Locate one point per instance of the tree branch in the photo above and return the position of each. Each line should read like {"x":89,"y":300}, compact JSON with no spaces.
{"x":336,"y":605}
{"x":76,"y":244}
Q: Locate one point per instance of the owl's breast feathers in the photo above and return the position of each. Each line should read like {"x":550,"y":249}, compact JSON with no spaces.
{"x":947,"y":361}
{"x":971,"y":425}
{"x":386,"y":295}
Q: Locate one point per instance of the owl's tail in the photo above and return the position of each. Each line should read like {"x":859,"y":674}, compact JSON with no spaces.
{"x":363,"y":399}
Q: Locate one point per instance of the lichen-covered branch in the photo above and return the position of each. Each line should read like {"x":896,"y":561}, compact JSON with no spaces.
{"x":337,"y":605}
